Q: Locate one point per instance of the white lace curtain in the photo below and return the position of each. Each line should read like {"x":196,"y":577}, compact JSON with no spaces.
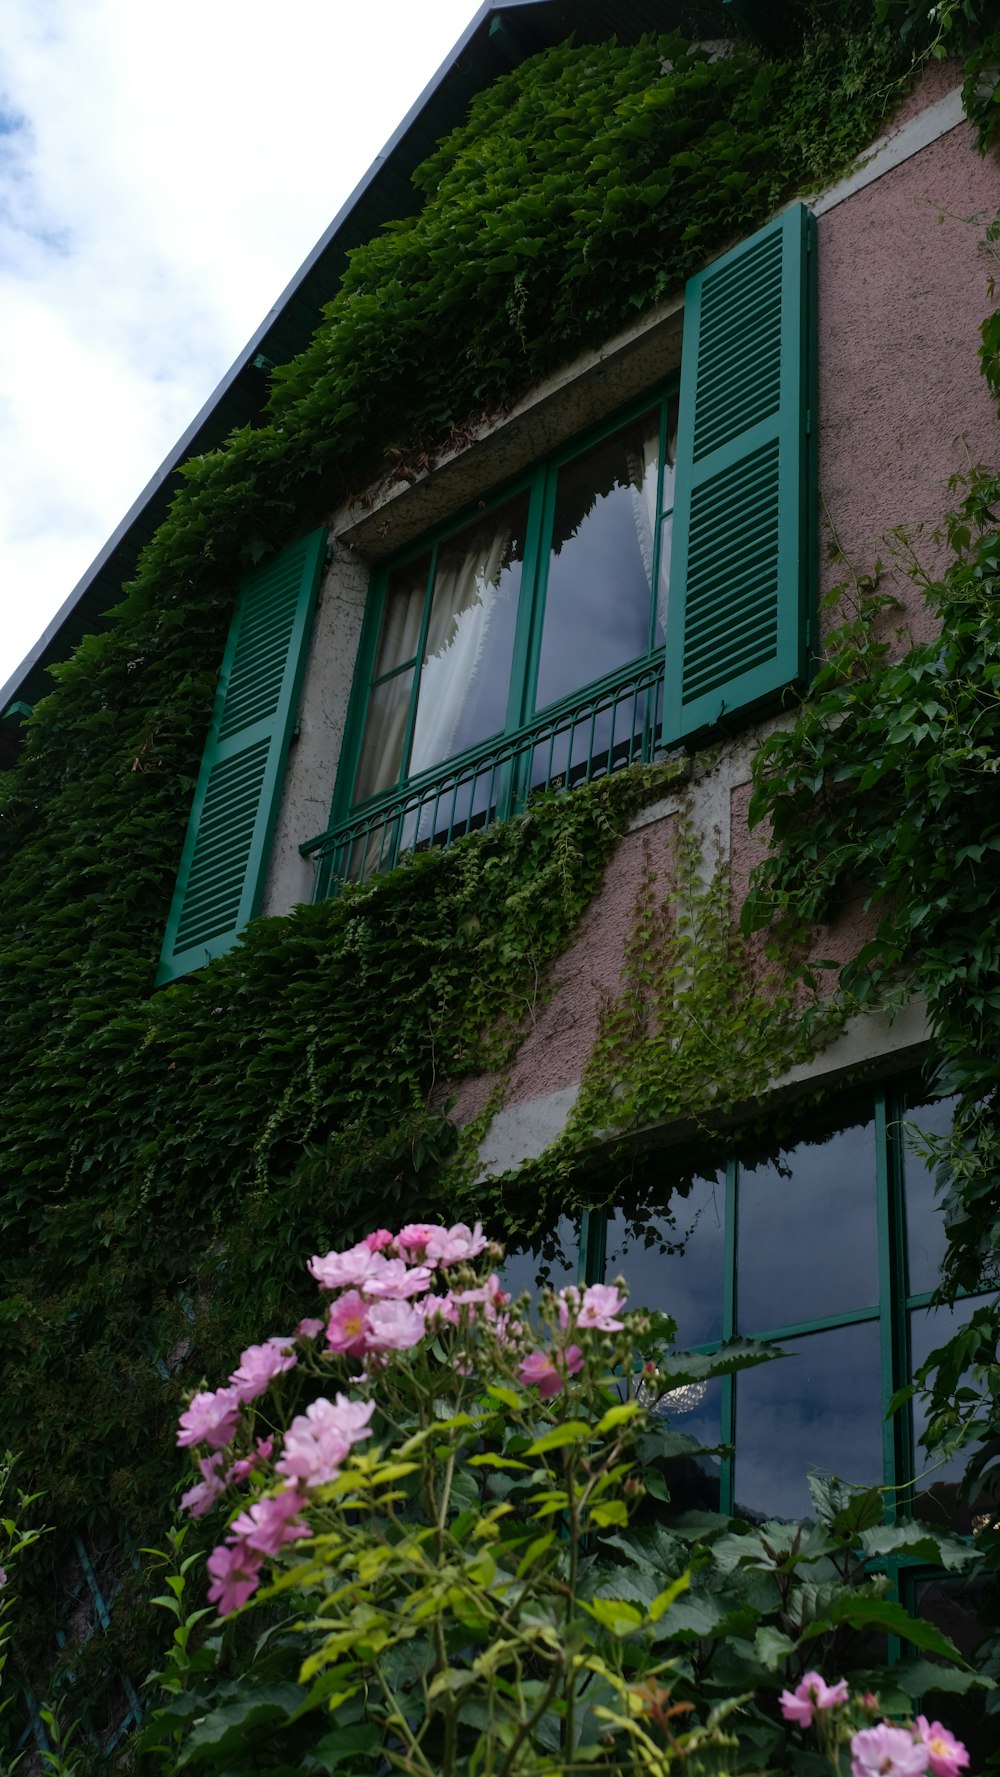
{"x":464,"y":598}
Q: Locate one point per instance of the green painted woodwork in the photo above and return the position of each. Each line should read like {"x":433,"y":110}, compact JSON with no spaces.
{"x":742,"y":570}
{"x":901,"y":1461}
{"x":224,"y":861}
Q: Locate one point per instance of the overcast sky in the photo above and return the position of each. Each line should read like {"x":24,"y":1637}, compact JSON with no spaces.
{"x":165,"y":167}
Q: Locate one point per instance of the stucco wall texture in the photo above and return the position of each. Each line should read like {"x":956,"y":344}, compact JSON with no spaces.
{"x":560,"y":1034}
{"x":902,"y":404}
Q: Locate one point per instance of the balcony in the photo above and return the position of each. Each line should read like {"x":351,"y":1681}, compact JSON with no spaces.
{"x":616,"y":723}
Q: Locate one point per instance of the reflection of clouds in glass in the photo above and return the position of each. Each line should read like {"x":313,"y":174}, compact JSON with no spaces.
{"x":672,"y":1256}
{"x":808,"y":1232}
{"x":820,"y":1408}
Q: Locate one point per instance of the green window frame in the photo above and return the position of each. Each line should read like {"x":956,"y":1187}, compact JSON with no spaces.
{"x":602,"y":723}
{"x":742,"y":581}
{"x":906,"y":1229}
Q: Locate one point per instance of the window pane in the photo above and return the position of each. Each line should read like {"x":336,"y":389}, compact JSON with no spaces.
{"x":465,"y":677}
{"x":404,"y":613}
{"x":597,"y":602}
{"x":808,"y":1235}
{"x":925,"y":1236}
{"x":666,"y":521}
{"x":672,"y":1257}
{"x":548,"y":1261}
{"x":818,"y":1408}
{"x":382,"y":754}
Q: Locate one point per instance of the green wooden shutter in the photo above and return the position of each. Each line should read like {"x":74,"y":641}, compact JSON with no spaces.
{"x":742,"y":562}
{"x":224,"y":861}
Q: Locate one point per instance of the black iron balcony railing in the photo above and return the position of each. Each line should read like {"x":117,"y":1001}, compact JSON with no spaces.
{"x":616,"y":723}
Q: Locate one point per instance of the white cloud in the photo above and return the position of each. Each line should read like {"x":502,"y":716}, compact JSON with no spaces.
{"x":164,"y":170}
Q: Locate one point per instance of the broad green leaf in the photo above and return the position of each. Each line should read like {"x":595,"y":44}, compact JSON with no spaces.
{"x":863,"y":1612}
{"x":345,"y":1743}
{"x":772,"y":1647}
{"x":923,"y":1542}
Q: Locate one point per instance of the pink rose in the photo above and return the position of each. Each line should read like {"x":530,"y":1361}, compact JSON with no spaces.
{"x":601,"y":1302}
{"x":341,"y":1271}
{"x":210,"y":1419}
{"x":308,"y":1328}
{"x":394,"y":1280}
{"x":488,"y":1296}
{"x":811,"y":1693}
{"x":946,"y":1755}
{"x":447,"y":1246}
{"x":885,"y":1751}
{"x":258,"y":1366}
{"x":440,"y":1308}
{"x":394,"y":1326}
{"x":235,"y":1572}
{"x":414,"y":1237}
{"x":317,"y":1442}
{"x":539,"y":1370}
{"x":202,"y":1496}
{"x":378,"y":1240}
{"x":347,"y":1326}
{"x":272,"y":1522}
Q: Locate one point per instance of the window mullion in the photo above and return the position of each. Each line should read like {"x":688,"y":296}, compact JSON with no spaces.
{"x":549,"y":479}
{"x":418,"y":665}
{"x":896,"y":1452}
{"x":728,"y":1427}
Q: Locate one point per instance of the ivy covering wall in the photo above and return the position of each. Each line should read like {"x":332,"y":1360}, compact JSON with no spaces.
{"x":155,"y":1150}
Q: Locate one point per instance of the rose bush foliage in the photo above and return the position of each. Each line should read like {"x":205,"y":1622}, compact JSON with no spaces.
{"x":450,"y":1547}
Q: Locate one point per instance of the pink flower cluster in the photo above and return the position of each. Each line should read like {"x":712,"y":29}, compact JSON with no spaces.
{"x":385,"y":1280}
{"x":382,"y":1304}
{"x":596,"y":1308}
{"x":886,"y":1749}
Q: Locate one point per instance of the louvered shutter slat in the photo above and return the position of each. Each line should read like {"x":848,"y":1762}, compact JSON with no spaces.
{"x":742,"y":565}
{"x":224,"y":861}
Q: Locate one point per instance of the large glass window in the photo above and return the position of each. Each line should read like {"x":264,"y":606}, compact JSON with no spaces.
{"x":481,"y":643}
{"x":828,"y":1246}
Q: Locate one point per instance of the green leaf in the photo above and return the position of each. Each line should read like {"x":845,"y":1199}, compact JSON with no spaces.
{"x":571,"y":1431}
{"x":862,"y":1612}
{"x":772,"y":1647}
{"x":923,"y":1542}
{"x":506,"y":1396}
{"x":617,"y":1416}
{"x":666,"y":1598}
{"x":345,"y":1743}
{"x":615,"y":1614}
{"x":613,"y":1512}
